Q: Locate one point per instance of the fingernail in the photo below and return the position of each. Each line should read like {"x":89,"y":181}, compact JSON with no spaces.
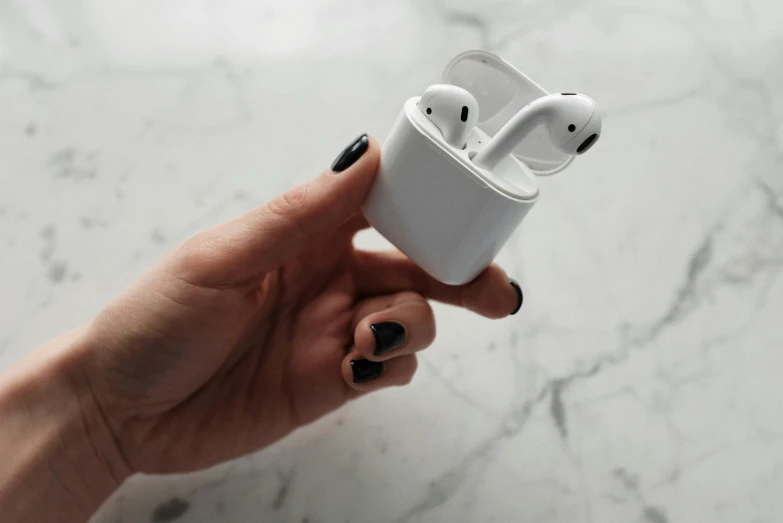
{"x":389,"y":335}
{"x":351,"y":153}
{"x":517,"y":288}
{"x":366,"y":370}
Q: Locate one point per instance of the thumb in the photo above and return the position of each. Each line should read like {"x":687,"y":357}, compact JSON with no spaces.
{"x":262,"y":239}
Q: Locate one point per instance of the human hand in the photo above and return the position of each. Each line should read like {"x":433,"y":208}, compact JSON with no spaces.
{"x":261,"y":325}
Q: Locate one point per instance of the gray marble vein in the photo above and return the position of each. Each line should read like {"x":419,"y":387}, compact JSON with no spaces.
{"x":642,"y":379}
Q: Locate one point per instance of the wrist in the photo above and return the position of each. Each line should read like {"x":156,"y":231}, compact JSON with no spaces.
{"x":55,"y":442}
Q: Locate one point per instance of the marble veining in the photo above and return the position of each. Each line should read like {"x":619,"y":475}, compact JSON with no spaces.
{"x":642,"y":380}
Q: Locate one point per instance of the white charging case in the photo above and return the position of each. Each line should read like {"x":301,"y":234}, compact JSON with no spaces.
{"x":433,"y":203}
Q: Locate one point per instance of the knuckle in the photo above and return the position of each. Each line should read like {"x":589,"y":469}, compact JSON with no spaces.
{"x":196,"y":242}
{"x":289,"y":208}
{"x":421,"y":317}
{"x":410,"y":296}
{"x":288,"y":203}
{"x":190,"y":257}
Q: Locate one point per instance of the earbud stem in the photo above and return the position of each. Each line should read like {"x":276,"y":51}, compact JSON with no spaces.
{"x":508,"y":138}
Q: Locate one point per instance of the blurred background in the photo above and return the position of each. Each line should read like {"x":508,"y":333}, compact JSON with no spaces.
{"x":642,"y":380}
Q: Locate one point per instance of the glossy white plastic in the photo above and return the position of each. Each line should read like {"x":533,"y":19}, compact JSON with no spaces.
{"x":501,"y":91}
{"x":433,"y":202}
{"x":437,"y":207}
{"x":453,"y":110}
{"x":572,"y":121}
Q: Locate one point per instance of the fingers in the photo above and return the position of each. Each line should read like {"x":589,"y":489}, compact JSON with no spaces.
{"x":363,"y":375}
{"x":492,"y":294}
{"x":265,"y":237}
{"x":393,"y":326}
{"x":388,"y":330}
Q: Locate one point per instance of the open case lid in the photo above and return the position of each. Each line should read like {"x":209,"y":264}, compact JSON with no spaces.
{"x":501,"y":90}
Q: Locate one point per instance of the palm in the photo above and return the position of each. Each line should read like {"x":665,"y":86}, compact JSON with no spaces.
{"x":259,"y":361}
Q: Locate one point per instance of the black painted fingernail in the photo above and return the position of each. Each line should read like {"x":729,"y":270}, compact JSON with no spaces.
{"x":351,"y":153}
{"x":389,"y":335}
{"x":366,"y":370}
{"x":517,"y":288}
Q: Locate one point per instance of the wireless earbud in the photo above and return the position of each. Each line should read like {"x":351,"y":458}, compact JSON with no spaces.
{"x":453,"y":185}
{"x":453,"y":110}
{"x":573,"y":122}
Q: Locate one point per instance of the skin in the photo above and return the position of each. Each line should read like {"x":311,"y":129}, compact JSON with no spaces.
{"x":233,"y":340}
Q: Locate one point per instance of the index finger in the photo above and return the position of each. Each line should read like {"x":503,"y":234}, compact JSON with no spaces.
{"x":492,"y":293}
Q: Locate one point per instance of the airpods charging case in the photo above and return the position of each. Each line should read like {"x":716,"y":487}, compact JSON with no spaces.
{"x":432,"y":203}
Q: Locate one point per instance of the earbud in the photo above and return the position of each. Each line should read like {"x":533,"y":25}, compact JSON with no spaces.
{"x":453,"y":110}
{"x":573,"y":122}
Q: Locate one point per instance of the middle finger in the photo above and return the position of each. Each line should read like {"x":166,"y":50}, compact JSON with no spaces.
{"x":393,"y":325}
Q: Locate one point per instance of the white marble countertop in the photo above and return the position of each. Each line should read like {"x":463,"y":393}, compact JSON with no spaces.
{"x":642,"y":381}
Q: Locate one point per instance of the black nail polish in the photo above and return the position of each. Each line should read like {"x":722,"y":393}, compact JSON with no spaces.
{"x":389,"y":335}
{"x":366,"y":370}
{"x":517,"y":288}
{"x":351,"y":153}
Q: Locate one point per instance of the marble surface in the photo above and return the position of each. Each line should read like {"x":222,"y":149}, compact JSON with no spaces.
{"x":643,"y":380}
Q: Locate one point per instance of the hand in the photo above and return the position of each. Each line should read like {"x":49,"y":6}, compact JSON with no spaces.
{"x":261,"y":325}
